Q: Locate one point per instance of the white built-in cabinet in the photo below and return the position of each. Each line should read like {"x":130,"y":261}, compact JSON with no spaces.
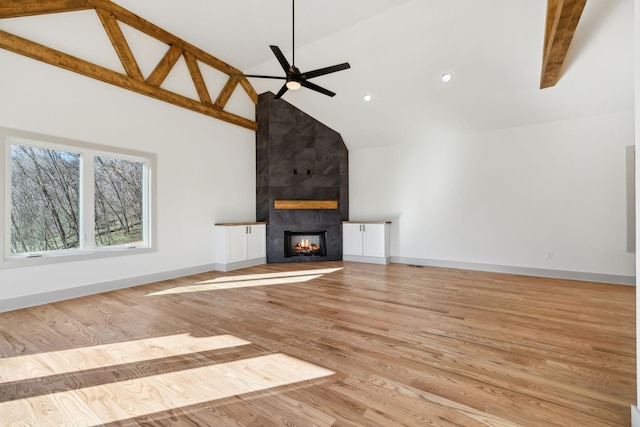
{"x":240,"y":245}
{"x":366,"y":241}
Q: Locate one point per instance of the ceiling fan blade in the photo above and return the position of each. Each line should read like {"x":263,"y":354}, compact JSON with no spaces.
{"x":259,"y":76}
{"x":281,"y":92}
{"x":326,"y":70}
{"x":317,"y":88}
{"x":281,"y":59}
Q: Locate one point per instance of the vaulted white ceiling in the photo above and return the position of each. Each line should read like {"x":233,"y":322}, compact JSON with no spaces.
{"x":398,"y":49}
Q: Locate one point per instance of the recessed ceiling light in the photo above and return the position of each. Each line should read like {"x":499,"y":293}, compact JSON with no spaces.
{"x":366,"y":97}
{"x":446,"y":78}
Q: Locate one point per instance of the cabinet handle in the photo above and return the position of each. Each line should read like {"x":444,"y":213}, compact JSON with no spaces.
{"x":249,"y":228}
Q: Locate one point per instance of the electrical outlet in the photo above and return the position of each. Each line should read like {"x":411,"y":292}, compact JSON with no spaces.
{"x":549,"y":254}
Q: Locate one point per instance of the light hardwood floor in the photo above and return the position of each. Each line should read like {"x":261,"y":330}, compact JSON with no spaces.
{"x":326,"y":344}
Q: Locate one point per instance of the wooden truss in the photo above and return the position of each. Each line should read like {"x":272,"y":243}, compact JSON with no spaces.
{"x":109,"y":14}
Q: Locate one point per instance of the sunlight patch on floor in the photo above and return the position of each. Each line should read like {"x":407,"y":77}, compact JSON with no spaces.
{"x":270,"y":275}
{"x":137,"y":397}
{"x":249,"y":280}
{"x":80,"y":359}
{"x":233,"y":285}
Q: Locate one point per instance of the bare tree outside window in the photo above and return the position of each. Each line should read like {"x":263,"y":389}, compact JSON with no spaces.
{"x":47,"y":192}
{"x":118,"y":201}
{"x":45,"y":199}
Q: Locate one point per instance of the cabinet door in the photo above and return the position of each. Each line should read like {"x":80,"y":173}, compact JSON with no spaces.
{"x":257,"y":241}
{"x":375,"y":240}
{"x":352,"y":239}
{"x":236,"y":243}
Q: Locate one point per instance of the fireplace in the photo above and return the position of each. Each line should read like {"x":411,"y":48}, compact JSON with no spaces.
{"x":305,"y":243}
{"x":302,"y":183}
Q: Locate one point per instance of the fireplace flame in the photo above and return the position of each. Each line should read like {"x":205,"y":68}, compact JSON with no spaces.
{"x":304,"y":245}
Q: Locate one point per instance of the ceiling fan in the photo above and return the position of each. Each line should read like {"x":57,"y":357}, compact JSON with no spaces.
{"x":294,"y":78}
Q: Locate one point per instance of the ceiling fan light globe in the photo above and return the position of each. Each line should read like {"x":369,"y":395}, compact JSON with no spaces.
{"x":293,"y":85}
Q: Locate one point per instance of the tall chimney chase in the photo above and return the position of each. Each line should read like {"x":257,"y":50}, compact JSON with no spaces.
{"x":302,"y":183}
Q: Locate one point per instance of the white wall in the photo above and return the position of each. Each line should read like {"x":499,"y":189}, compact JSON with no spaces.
{"x":505,"y":198}
{"x":205,"y":168}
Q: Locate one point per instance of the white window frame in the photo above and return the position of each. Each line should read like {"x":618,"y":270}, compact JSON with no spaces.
{"x":88,"y":151}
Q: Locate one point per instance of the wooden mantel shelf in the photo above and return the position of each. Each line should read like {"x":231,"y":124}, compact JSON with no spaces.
{"x":305,"y":204}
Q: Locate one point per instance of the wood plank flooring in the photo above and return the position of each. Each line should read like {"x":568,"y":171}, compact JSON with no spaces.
{"x":326,"y":344}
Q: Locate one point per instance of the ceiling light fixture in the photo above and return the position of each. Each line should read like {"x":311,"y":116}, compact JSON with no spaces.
{"x":446,"y":78}
{"x":293,"y":85}
{"x":366,"y":97}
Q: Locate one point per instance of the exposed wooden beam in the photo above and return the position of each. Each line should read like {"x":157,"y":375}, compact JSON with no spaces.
{"x":562,"y":20}
{"x":163,"y":68}
{"x":17,"y":8}
{"x":198,"y":80}
{"x":109,"y":14}
{"x":54,"y":57}
{"x":120,"y":44}
{"x":158,"y":33}
{"x":226,"y":92}
{"x":244,"y":82}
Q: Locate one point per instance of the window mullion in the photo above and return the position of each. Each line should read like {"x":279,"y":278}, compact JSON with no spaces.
{"x":146,"y":203}
{"x":5,"y":179}
{"x":87,"y":201}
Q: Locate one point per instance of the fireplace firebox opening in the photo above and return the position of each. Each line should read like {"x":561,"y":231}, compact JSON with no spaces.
{"x":305,"y":243}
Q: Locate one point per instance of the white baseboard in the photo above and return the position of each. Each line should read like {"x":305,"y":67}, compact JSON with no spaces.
{"x":367,"y":259}
{"x":241,"y":264}
{"x":525,"y":271}
{"x":96,"y":288}
{"x":635,"y":416}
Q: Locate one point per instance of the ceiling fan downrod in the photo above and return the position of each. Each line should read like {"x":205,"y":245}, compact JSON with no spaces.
{"x":293,"y":33}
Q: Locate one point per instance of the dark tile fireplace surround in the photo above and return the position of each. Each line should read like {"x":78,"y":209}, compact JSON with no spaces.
{"x":299,"y":159}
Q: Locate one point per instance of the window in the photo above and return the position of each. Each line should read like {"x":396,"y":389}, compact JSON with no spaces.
{"x":118,"y":201}
{"x":69,"y":198}
{"x":45,"y":199}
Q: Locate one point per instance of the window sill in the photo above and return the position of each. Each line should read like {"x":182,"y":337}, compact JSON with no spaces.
{"x":44,"y":258}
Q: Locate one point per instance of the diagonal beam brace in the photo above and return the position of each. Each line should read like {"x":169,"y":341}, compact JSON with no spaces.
{"x":198,"y":80}
{"x":562,"y":20}
{"x":163,"y":68}
{"x":120,"y":44}
{"x":226,"y":92}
